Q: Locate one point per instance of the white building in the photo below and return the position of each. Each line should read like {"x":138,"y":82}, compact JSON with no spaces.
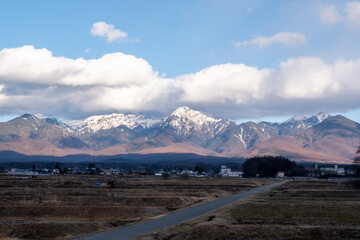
{"x":280,"y":174}
{"x":332,"y":171}
{"x":109,"y":171}
{"x":190,"y":173}
{"x":226,"y":172}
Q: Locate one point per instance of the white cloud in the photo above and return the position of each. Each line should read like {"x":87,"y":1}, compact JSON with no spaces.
{"x":348,"y":12}
{"x":102,"y":29}
{"x":307,"y":78}
{"x":303,"y":84}
{"x":287,"y":38}
{"x":297,"y":78}
{"x":29,"y":65}
{"x":223,"y":83}
{"x":330,"y":15}
{"x":33,"y":80}
{"x":352,"y":10}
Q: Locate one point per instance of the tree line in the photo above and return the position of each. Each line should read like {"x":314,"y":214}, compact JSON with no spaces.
{"x":269,"y":166}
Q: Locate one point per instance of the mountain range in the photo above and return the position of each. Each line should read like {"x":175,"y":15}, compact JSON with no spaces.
{"x":317,"y":138}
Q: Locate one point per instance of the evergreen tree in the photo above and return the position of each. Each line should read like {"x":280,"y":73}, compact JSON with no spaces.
{"x":357,"y":164}
{"x":268,"y":166}
{"x":357,"y":158}
{"x":57,"y":166}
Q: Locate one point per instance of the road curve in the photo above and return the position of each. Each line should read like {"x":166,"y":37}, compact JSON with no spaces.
{"x":175,"y":218}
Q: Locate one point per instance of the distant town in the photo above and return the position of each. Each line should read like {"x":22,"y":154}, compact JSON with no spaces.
{"x":312,"y":171}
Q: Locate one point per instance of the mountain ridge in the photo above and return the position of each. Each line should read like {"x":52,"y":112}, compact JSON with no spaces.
{"x":105,"y":122}
{"x":184,"y":130}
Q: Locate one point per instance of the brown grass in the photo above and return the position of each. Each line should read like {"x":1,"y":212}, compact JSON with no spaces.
{"x":296,"y":210}
{"x":62,"y":207}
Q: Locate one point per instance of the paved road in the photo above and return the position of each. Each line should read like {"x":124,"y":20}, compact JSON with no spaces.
{"x":175,"y":218}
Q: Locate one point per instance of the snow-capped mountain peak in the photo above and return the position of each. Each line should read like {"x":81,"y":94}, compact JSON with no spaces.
{"x":299,"y":123}
{"x":187,"y":121}
{"x":185,"y":113}
{"x":319,"y":116}
{"x":104,"y":122}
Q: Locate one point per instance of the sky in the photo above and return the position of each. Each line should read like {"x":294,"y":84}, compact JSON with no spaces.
{"x":240,"y":60}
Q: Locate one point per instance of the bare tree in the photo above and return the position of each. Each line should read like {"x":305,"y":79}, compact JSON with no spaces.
{"x":165,"y":175}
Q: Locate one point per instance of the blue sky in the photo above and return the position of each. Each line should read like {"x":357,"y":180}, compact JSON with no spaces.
{"x":182,"y":38}
{"x":175,"y":37}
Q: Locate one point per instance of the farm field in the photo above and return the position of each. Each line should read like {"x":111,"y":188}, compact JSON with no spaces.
{"x":65,"y":207}
{"x":295,"y":210}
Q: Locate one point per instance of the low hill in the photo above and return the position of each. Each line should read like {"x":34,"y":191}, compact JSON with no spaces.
{"x":30,"y":135}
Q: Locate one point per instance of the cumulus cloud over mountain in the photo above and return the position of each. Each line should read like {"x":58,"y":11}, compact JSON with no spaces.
{"x":33,"y":80}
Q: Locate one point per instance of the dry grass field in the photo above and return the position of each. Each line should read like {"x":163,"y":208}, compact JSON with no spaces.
{"x":64,"y":207}
{"x":295,"y":210}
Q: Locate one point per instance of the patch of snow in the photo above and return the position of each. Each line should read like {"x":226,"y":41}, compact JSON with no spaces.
{"x":104,"y":122}
{"x":40,"y":116}
{"x":240,"y":137}
{"x":319,"y":115}
{"x":35,"y":127}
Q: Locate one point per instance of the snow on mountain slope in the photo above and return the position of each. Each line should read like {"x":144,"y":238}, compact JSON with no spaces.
{"x":242,"y":137}
{"x":187,"y":122}
{"x":103,"y":122}
{"x":299,"y":123}
{"x":319,"y":116}
{"x":301,"y":137}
